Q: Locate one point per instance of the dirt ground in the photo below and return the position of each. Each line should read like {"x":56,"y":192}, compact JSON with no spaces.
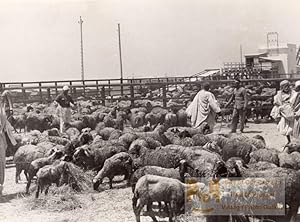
{"x":105,"y":206}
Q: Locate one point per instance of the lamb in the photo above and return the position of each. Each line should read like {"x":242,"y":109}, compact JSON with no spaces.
{"x":50,"y":174}
{"x":150,"y":188}
{"x":39,"y":163}
{"x":26,"y":154}
{"x":118,"y":164}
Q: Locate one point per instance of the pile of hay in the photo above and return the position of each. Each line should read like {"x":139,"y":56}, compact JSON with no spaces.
{"x":64,"y":198}
{"x":77,"y":179}
{"x":58,"y":199}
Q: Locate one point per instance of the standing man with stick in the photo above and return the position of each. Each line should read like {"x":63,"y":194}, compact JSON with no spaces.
{"x":65,"y":102}
{"x":240,"y":99}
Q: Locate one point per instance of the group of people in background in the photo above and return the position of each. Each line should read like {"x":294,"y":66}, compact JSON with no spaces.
{"x":286,"y":110}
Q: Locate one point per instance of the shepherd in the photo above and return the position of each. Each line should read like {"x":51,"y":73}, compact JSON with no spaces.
{"x":204,"y":108}
{"x":6,"y":135}
{"x":65,"y":102}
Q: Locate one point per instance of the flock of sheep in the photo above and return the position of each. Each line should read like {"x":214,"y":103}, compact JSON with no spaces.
{"x":154,"y":148}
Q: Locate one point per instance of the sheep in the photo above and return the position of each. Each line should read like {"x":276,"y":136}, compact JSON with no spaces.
{"x":181,"y":117}
{"x":106,"y":132}
{"x":237,"y":148}
{"x":127,"y":139}
{"x":150,"y":188}
{"x":158,"y":157}
{"x":137,"y":119}
{"x":171,"y":119}
{"x":109,"y":121}
{"x":50,"y":174}
{"x":35,"y":165}
{"x":118,"y":164}
{"x":26,"y":154}
{"x":268,"y":155}
{"x":78,"y":124}
{"x":202,"y":129}
{"x":292,"y":183}
{"x":18,"y":122}
{"x":153,"y":119}
{"x":157,"y":134}
{"x":39,"y":122}
{"x":93,"y":157}
{"x":154,"y":170}
{"x":115,"y":134}
{"x":72,"y":133}
{"x":187,"y":141}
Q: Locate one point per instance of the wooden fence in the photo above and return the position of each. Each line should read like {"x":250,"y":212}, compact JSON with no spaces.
{"x":111,"y":89}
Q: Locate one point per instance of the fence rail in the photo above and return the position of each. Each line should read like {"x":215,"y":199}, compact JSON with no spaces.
{"x":111,"y":89}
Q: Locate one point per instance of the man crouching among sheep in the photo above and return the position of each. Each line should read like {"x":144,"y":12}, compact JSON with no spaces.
{"x":204,"y":108}
{"x":65,"y":102}
{"x":5,"y":133}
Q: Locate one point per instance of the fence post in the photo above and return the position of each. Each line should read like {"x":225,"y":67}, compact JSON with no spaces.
{"x":97,"y":87}
{"x":71,"y":88}
{"x":41,"y":94}
{"x":121,"y":81}
{"x":49,"y":95}
{"x":109,"y":89}
{"x":83,"y":83}
{"x":24,"y":93}
{"x":132,"y":95}
{"x":56,"y":88}
{"x":164,"y":96}
{"x":74,"y":91}
{"x":103,"y":95}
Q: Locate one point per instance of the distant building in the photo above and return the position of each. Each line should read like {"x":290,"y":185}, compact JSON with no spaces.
{"x":277,"y":61}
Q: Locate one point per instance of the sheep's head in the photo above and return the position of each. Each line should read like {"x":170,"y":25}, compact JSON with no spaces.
{"x":205,"y":129}
{"x":213,"y":146}
{"x":261,"y":138}
{"x":184,"y":134}
{"x":220,"y":169}
{"x":234,"y":166}
{"x":82,"y":155}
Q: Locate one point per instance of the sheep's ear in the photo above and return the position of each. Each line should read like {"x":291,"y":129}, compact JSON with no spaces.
{"x":87,"y":153}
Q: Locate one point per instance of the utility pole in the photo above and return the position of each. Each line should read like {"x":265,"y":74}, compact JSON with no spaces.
{"x":120,"y":53}
{"x":81,"y":47}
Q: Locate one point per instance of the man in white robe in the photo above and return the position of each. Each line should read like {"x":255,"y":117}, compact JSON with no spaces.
{"x":204,"y":108}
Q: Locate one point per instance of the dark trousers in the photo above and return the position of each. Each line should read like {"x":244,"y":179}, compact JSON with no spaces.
{"x":236,"y":115}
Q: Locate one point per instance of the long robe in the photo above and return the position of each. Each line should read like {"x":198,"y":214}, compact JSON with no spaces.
{"x":203,"y":109}
{"x":281,"y":99}
{"x":5,"y":127}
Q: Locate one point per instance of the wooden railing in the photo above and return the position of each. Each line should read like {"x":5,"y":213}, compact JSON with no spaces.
{"x":111,"y":89}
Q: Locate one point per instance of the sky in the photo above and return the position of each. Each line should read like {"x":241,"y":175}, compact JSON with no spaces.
{"x":40,"y":40}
